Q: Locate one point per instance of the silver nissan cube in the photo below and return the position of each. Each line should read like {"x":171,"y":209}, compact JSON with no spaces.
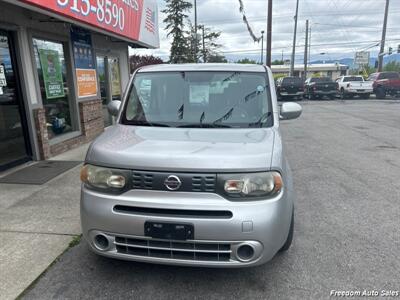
{"x":193,"y":172}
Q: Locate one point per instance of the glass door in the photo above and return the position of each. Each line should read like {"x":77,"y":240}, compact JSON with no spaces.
{"x":14,"y":145}
{"x":110,"y":83}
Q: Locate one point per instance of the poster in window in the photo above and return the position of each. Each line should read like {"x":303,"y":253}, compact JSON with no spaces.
{"x":52,"y":75}
{"x":115,"y":78}
{"x":85,"y":68}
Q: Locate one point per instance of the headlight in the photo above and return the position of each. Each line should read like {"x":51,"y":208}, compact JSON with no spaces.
{"x":252,"y":185}
{"x":104,"y":179}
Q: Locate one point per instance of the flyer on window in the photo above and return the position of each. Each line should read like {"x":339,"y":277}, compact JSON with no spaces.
{"x":86,"y":76}
{"x":52,"y":75}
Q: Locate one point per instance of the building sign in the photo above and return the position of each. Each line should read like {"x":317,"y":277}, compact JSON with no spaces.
{"x":51,"y":71}
{"x":86,"y":78}
{"x":361,"y":58}
{"x":135,"y":20}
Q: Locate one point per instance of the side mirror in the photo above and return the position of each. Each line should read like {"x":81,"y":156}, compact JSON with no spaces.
{"x":290,"y":111}
{"x":113,"y":107}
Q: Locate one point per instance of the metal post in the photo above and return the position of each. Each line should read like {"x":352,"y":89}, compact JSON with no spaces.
{"x":269,"y":34}
{"x":195,"y":31}
{"x":305,"y":53}
{"x":294,"y":40}
{"x":262,"y":47}
{"x":382,"y":50}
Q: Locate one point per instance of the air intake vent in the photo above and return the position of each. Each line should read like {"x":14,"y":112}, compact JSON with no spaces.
{"x":142,"y":181}
{"x":203,"y":184}
{"x":188,"y":250}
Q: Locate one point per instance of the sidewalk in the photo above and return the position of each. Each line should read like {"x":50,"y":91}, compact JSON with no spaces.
{"x":37,"y":223}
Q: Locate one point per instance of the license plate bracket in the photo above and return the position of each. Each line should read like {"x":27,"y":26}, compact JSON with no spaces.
{"x":169,"y":231}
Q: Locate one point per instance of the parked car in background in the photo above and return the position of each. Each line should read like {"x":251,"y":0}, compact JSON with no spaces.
{"x":385,"y":83}
{"x":198,"y":177}
{"x":350,"y":86}
{"x":319,"y":87}
{"x":288,"y":88}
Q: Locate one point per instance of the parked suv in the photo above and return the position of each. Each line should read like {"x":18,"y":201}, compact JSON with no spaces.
{"x":385,"y":83}
{"x":288,"y":88}
{"x":198,"y":176}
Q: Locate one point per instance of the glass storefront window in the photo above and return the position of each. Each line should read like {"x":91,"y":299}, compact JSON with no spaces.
{"x":115,"y":78}
{"x":52,"y":73}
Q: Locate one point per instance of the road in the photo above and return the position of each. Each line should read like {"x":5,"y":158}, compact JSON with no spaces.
{"x":345,"y":157}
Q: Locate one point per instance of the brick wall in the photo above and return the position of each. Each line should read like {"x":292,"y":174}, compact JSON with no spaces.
{"x":92,"y":124}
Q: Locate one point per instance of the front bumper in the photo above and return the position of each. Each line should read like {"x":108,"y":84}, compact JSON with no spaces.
{"x":262,"y":225}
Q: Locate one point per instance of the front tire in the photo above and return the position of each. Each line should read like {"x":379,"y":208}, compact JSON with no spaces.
{"x":380,"y":93}
{"x":289,"y":239}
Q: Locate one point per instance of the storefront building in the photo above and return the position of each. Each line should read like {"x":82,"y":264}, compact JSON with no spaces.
{"x":61,"y":63}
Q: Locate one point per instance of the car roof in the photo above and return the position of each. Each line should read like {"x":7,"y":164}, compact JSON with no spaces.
{"x":203,"y":67}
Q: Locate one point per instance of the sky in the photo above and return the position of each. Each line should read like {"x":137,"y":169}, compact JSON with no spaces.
{"x":338,"y":27}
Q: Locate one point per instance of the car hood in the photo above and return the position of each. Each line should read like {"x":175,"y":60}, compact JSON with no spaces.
{"x":183,"y":149}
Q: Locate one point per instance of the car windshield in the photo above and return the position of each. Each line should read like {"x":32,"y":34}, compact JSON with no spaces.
{"x":292,"y":80}
{"x":321,"y":79}
{"x":353,"y":78}
{"x":199,"y":99}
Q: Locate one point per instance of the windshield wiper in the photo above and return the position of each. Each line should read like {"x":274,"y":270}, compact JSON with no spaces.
{"x":197,"y":125}
{"x":150,"y":124}
{"x":261,"y":120}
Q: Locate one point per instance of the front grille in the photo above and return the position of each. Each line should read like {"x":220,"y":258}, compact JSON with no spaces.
{"x":184,"y":250}
{"x":174,"y":213}
{"x":203,"y":184}
{"x":147,"y":180}
{"x":142,"y":180}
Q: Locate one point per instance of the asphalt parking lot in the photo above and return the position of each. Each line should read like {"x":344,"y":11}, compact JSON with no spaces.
{"x":345,"y":157}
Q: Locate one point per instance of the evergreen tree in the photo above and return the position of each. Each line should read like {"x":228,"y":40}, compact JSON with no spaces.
{"x":176,"y":16}
{"x":210,"y":43}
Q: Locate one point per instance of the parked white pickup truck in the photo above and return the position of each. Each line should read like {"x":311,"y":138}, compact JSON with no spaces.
{"x":350,"y":86}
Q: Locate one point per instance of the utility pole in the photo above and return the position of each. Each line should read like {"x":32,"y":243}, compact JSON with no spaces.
{"x":195,"y":31}
{"x":294,"y":40}
{"x":305,"y":54}
{"x":262,"y":47}
{"x":380,"y":57}
{"x":269,"y":34}
{"x":309,"y":46}
{"x":204,"y":46}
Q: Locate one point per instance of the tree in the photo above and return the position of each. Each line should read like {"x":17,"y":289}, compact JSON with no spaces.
{"x":217,"y":59}
{"x":277,"y":62}
{"x":246,"y":61}
{"x":176,"y":16}
{"x":137,"y":61}
{"x":392,"y":66}
{"x":210,"y":43}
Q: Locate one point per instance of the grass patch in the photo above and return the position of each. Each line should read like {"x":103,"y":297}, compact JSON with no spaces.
{"x":76,"y":240}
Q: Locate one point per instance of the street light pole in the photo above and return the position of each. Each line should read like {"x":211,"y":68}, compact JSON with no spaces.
{"x":262,"y":47}
{"x":195,"y":31}
{"x":204,"y":46}
{"x":294,"y":40}
{"x":269,"y":34}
